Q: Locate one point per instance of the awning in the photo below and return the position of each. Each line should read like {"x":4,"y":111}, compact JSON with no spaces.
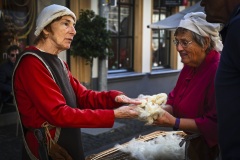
{"x":172,"y":21}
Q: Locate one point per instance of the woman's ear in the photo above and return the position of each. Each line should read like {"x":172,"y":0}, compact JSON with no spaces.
{"x":46,"y":33}
{"x":207,"y":43}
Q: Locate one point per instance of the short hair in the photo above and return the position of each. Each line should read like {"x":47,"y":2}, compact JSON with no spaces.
{"x":13,"y":48}
{"x":200,"y":40}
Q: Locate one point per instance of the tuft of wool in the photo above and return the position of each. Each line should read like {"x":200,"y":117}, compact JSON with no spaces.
{"x":161,"y":148}
{"x":151,"y":107}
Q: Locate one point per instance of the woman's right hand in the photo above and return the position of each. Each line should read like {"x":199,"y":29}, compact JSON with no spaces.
{"x":126,"y":112}
{"x":166,"y":120}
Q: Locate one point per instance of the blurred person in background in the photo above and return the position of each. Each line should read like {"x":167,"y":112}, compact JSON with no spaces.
{"x":227,"y":82}
{"x":6,"y":71}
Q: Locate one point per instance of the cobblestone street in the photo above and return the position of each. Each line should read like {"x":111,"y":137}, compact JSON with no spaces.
{"x":11,"y":145}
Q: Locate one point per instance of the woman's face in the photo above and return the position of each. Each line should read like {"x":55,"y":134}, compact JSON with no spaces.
{"x":191,"y":53}
{"x":62,"y":33}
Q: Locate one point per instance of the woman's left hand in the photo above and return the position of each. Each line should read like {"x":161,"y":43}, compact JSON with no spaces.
{"x":125,"y":99}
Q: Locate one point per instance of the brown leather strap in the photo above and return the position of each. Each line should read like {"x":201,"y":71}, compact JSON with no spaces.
{"x":49,"y":128}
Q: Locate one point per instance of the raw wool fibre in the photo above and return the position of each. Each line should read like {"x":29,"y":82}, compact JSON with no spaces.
{"x":163,"y":147}
{"x":151,"y":107}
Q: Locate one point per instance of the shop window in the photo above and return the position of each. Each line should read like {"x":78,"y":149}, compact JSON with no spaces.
{"x":17,"y":19}
{"x":120,"y":23}
{"x":17,"y":22}
{"x":160,"y":39}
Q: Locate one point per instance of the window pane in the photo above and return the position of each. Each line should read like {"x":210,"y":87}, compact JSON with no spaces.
{"x":125,"y":60}
{"x":159,"y":49}
{"x":121,"y":26}
{"x":16,"y":22}
{"x":122,"y":58}
{"x":160,"y":39}
{"x":113,"y":61}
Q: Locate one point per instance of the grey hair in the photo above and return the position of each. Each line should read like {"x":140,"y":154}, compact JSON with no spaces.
{"x":200,"y":40}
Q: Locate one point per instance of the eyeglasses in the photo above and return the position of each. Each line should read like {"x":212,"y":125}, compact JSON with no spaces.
{"x":184,"y":44}
{"x":13,"y":55}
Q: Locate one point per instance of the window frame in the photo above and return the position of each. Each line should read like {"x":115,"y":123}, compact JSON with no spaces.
{"x":161,"y":11}
{"x":120,"y":38}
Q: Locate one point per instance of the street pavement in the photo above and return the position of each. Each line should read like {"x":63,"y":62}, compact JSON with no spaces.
{"x":95,"y":141}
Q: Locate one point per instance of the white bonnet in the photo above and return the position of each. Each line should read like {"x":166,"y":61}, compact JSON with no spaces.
{"x":49,"y":13}
{"x":196,"y":22}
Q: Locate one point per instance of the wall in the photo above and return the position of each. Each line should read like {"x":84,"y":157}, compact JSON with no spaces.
{"x":146,"y":84}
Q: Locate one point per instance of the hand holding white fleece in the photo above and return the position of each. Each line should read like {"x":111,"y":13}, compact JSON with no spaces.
{"x":151,"y":107}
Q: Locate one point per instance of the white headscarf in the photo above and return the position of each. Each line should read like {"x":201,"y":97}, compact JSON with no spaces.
{"x":49,"y":13}
{"x":196,"y":22}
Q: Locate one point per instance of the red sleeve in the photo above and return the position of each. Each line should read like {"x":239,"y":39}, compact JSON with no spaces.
{"x":207,"y":124}
{"x":170,"y":98}
{"x":173,"y":94}
{"x":39,"y":99}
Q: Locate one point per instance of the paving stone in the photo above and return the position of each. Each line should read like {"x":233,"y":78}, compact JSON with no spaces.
{"x":11,"y":145}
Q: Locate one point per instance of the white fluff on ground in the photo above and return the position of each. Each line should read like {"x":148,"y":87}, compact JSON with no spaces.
{"x":161,"y":148}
